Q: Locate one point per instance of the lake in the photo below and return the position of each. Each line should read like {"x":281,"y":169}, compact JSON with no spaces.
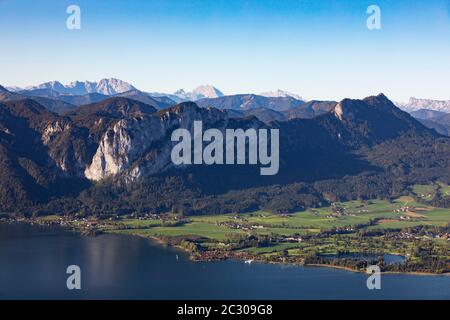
{"x":33,"y":263}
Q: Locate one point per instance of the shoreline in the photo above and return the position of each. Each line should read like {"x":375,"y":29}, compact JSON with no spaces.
{"x":162,"y":242}
{"x":415,"y":273}
{"x":256,"y":259}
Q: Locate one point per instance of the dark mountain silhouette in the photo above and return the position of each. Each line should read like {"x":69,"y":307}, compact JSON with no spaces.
{"x":157,"y":102}
{"x":62,"y":102}
{"x":43,"y":97}
{"x":360,"y":148}
{"x":265,"y":115}
{"x":84,"y":99}
{"x":440,"y":128}
{"x":306,"y":110}
{"x":310,"y":109}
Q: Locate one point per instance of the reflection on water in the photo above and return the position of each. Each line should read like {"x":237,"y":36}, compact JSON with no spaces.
{"x":33,"y":262}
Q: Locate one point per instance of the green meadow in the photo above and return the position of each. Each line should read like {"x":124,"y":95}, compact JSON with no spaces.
{"x":312,"y":221}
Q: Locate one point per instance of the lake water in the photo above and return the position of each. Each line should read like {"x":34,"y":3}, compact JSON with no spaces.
{"x":33,"y":262}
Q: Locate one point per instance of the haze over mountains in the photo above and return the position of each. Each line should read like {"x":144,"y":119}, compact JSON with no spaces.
{"x":250,"y":101}
{"x":281,"y":94}
{"x":112,"y":156}
{"x":276,"y":105}
{"x":415,"y":104}
{"x":113,"y":86}
{"x":105,"y":86}
{"x":201,"y":92}
{"x":79,"y":93}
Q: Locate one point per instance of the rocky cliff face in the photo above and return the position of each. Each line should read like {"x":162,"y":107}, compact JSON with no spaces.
{"x":134,"y":147}
{"x":127,"y":139}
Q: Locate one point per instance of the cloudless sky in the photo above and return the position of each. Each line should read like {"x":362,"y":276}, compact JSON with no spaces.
{"x":318,"y":49}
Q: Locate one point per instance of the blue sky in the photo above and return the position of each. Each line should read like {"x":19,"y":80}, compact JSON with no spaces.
{"x":319,"y":49}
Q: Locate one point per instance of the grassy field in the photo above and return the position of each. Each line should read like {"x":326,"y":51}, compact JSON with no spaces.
{"x":219,"y":227}
{"x":193,"y":229}
{"x":428,"y":192}
{"x":425,"y":192}
{"x":323,"y":231}
{"x":444,"y":189}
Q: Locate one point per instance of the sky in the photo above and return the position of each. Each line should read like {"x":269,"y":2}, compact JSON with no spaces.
{"x":318,"y":49}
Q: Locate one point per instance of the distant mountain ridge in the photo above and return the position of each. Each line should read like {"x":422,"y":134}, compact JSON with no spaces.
{"x":49,"y":102}
{"x":201,"y":92}
{"x":437,"y":120}
{"x":440,"y":122}
{"x":109,"y":86}
{"x":61,"y":102}
{"x":270,"y":106}
{"x":113,"y":87}
{"x":281,"y":94}
{"x":415,"y":104}
{"x":250,"y":101}
{"x":427,"y":114}
{"x":306,"y":110}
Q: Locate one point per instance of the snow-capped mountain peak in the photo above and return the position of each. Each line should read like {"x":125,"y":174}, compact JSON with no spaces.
{"x":415,"y":104}
{"x":113,"y":86}
{"x":51,"y":85}
{"x":281,"y":94}
{"x":207,"y":91}
{"x":201,"y":92}
{"x":109,"y":86}
{"x":14,"y":89}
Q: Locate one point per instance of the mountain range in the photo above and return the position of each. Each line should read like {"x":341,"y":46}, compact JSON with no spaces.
{"x":113,"y":86}
{"x":110,"y":86}
{"x":250,"y":101}
{"x":440,"y":122}
{"x":415,"y":104}
{"x":276,"y":105}
{"x":61,"y":98}
{"x":281,"y":94}
{"x":113,"y":156}
{"x":432,"y":113}
{"x":66,"y":100}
